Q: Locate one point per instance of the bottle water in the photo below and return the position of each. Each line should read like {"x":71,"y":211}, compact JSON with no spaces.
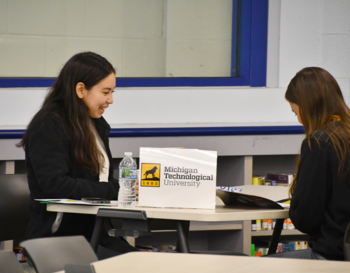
{"x":127,"y":181}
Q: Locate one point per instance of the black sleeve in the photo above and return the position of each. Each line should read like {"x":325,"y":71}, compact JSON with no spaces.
{"x":50,"y":157}
{"x":308,"y":202}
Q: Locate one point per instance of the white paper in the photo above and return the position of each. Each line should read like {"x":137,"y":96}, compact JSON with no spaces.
{"x":75,"y":202}
{"x":274,"y":193}
{"x":229,"y":189}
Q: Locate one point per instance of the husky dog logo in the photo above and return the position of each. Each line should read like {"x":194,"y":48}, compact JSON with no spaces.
{"x":152,"y":172}
{"x":150,"y":175}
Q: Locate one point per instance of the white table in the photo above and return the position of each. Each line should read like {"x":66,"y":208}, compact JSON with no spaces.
{"x":220,"y":214}
{"x":182,"y":216}
{"x":181,"y":262}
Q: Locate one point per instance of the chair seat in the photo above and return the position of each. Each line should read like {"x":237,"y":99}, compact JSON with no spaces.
{"x":14,"y":219}
{"x":53,"y":253}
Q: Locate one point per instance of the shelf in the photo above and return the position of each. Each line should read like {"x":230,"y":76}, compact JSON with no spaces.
{"x":197,"y":226}
{"x":209,"y":226}
{"x":284,"y":232}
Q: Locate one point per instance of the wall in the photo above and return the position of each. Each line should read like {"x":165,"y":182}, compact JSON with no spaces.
{"x":315,"y":33}
{"x":137,"y":107}
{"x":310,"y":33}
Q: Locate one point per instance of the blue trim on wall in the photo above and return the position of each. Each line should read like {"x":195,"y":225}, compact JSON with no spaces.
{"x":234,"y":39}
{"x":251,"y":64}
{"x":245,"y":40}
{"x":259,"y":43}
{"x":207,"y":131}
{"x":170,"y":82}
{"x":26,"y":82}
{"x":195,"y":131}
{"x":11,"y":133}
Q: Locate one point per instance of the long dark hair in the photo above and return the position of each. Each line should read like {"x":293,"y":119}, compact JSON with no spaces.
{"x":322,"y":107}
{"x":88,"y":68}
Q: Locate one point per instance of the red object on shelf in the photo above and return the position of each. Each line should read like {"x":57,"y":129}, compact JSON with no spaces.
{"x":19,"y":253}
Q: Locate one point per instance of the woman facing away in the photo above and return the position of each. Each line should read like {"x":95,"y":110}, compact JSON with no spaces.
{"x":320,"y":204}
{"x":67,"y":149}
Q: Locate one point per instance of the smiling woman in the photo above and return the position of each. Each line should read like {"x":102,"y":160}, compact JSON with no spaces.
{"x":99,"y":97}
{"x":67,"y":149}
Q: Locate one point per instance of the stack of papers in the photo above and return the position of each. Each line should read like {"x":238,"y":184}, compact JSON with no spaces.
{"x":75,"y":202}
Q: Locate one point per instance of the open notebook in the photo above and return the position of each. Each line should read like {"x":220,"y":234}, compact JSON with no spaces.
{"x":267,"y":197}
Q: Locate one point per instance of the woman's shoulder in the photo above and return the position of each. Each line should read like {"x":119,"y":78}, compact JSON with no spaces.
{"x":318,"y":140}
{"x":46,"y":119}
{"x":321,"y":136}
{"x":333,"y":131}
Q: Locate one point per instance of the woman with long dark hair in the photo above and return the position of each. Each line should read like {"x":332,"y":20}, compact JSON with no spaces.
{"x":320,"y":204}
{"x":67,"y":149}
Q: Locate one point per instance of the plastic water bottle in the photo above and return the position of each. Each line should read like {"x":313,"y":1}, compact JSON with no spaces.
{"x":127,"y":181}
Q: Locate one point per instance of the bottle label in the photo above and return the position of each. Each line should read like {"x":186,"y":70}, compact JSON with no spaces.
{"x":264,"y":224}
{"x":258,"y":225}
{"x":269,"y":225}
{"x":127,"y":173}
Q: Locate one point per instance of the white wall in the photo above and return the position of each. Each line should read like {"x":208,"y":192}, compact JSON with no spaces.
{"x":315,"y":33}
{"x":136,"y":107}
{"x":311,"y":33}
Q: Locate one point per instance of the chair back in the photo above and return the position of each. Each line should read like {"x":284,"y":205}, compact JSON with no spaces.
{"x":347,"y":244}
{"x":14,"y":200}
{"x":53,"y":253}
{"x":9,"y":262}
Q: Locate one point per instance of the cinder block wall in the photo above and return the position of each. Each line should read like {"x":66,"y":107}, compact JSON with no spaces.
{"x":315,"y":33}
{"x":335,"y":41}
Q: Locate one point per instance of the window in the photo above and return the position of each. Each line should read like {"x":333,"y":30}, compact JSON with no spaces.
{"x":245,"y":64}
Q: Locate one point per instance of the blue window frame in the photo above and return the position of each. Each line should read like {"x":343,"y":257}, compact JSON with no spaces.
{"x":248,"y":63}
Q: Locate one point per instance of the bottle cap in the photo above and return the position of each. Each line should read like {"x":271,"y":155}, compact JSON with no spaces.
{"x":128,"y":153}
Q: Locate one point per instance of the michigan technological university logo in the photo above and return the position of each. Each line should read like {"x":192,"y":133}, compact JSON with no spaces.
{"x":150,"y":175}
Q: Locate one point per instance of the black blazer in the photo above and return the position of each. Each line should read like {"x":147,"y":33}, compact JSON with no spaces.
{"x":320,"y":205}
{"x":54,"y":173}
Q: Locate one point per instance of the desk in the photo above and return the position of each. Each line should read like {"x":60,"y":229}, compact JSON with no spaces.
{"x":180,"y":262}
{"x":272,"y":148}
{"x":183,"y":217}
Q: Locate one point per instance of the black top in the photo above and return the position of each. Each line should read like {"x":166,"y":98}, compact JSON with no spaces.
{"x":320,"y":205}
{"x":54,"y":173}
